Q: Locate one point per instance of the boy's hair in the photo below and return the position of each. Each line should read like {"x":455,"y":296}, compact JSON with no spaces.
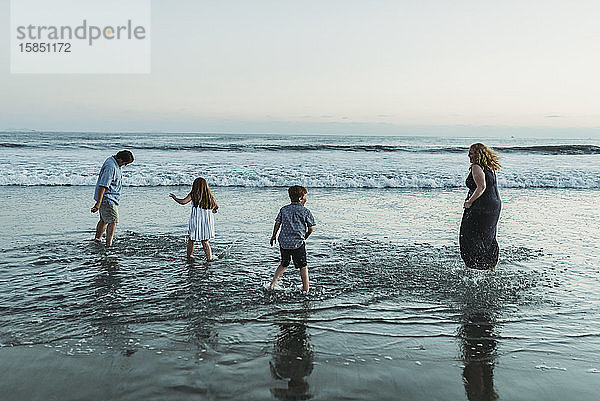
{"x":295,"y":192}
{"x":125,"y":155}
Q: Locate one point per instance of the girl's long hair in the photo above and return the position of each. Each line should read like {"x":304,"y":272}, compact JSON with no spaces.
{"x":485,"y":157}
{"x":201,"y":195}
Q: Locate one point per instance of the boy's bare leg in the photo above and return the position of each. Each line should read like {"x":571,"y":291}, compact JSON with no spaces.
{"x":304,"y":276}
{"x":190,"y":248}
{"x":207,"y":250}
{"x":278,"y":273}
{"x":110,"y":233}
{"x":100,"y":227}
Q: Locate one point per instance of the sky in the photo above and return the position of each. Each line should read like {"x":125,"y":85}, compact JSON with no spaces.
{"x":335,"y":66}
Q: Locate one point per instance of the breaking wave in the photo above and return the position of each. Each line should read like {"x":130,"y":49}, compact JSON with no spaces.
{"x":149,"y":178}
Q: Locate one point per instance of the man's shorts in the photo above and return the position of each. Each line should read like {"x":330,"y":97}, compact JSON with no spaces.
{"x":298,"y":255}
{"x":109,"y":213}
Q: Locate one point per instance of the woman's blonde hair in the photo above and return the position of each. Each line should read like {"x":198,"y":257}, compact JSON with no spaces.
{"x":485,"y":157}
{"x":201,"y":195}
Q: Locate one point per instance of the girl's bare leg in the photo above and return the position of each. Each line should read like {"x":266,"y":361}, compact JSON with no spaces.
{"x":207,"y":250}
{"x":190,"y":248}
{"x":304,"y":276}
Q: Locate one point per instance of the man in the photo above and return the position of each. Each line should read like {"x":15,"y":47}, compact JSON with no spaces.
{"x":108,"y":194}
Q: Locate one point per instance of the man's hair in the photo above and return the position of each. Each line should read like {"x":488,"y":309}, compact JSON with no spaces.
{"x":296,"y":192}
{"x":125,"y":155}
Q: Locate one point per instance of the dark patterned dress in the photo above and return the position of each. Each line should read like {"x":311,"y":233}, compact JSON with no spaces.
{"x":478,"y":245}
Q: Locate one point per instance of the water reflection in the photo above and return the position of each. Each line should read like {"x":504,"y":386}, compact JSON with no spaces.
{"x":478,"y":345}
{"x":108,"y":304}
{"x":197,"y":303}
{"x":293,"y":358}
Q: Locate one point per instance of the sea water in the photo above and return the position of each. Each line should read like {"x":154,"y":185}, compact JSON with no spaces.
{"x":392,"y":312}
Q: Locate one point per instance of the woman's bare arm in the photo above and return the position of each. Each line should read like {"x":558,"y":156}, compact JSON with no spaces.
{"x":479,"y":177}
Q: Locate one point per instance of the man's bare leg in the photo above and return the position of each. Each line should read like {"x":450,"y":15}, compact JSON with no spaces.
{"x":304,"y":276}
{"x":110,"y":233}
{"x":100,"y":227}
{"x":190,"y":248}
{"x":278,"y":273}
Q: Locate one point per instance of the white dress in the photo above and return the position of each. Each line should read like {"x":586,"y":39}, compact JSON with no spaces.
{"x":202,"y":224}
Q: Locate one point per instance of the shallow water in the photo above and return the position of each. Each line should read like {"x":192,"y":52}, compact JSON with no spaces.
{"x":392,"y":313}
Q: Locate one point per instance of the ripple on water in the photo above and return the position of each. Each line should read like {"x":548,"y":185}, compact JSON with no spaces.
{"x":80,"y":289}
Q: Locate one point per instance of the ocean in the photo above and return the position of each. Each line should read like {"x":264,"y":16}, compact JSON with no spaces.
{"x":392,"y":312}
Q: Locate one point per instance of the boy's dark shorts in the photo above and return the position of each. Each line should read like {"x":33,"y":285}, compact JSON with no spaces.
{"x":298,"y":255}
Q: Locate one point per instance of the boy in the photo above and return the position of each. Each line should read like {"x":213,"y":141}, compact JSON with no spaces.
{"x":296,"y":223}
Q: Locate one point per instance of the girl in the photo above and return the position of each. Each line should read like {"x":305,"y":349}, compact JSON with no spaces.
{"x":202,"y":222}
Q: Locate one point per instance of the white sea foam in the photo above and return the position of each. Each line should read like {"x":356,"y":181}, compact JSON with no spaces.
{"x":34,"y":159}
{"x":148,"y":177}
{"x":546,"y":367}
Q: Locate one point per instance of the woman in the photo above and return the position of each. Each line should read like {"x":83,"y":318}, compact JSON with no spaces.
{"x":478,"y":245}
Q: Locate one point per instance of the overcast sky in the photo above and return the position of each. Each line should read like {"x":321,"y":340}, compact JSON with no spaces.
{"x":343,"y":66}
